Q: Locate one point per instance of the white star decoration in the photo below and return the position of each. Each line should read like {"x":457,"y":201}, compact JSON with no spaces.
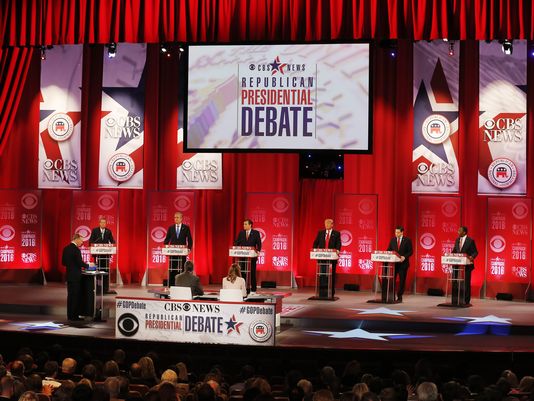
{"x":488,"y":319}
{"x":358,"y":333}
{"x":382,"y":311}
{"x":40,"y":325}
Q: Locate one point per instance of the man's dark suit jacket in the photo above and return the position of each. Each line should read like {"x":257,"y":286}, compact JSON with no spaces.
{"x":469,"y":247}
{"x":187,"y":279}
{"x":96,"y":236}
{"x":254,"y":239}
{"x":183,"y":238}
{"x":72,"y":259}
{"x":405,"y":250}
{"x":333,"y":243}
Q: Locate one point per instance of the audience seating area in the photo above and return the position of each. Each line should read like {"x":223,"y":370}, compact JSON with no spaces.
{"x":55,"y":374}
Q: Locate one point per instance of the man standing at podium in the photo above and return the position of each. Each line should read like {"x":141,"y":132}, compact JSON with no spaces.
{"x":465,"y":244}
{"x":177,"y":234}
{"x":102,"y":235}
{"x":329,"y":239}
{"x":249,"y":237}
{"x":403,"y":246}
{"x":72,"y":260}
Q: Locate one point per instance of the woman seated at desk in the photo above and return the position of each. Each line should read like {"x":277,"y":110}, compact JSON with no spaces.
{"x":234,"y":279}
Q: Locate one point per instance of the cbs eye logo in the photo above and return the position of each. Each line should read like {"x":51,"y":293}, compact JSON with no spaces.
{"x":128,"y":325}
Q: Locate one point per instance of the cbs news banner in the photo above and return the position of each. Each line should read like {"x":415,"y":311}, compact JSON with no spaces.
{"x":195,"y":321}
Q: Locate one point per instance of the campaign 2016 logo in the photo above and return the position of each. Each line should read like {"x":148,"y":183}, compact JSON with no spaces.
{"x":260,"y":331}
{"x":158,"y":234}
{"x":7,"y":232}
{"x":121,"y":167}
{"x":106,"y":202}
{"x":84,"y":231}
{"x":449,"y":209}
{"x":436,"y":129}
{"x":520,"y":210}
{"x":29,"y":201}
{"x":497,"y":243}
{"x":60,"y":127}
{"x":128,"y":324}
{"x":346,"y":237}
{"x":280,"y":205}
{"x":182,"y":203}
{"x":427,"y":241}
{"x":502,"y":173}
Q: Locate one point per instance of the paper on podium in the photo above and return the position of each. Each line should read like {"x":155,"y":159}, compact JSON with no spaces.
{"x":103,"y":249}
{"x":324,"y":254}
{"x":242,"y":252}
{"x":385,"y":256}
{"x":175,"y":250}
{"x":455,"y":259}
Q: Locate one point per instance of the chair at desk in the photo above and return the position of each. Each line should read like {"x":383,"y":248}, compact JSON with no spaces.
{"x":231,"y":295}
{"x":181,"y":293}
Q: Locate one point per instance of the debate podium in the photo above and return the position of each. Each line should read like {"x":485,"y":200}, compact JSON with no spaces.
{"x":243,"y":256}
{"x":455,"y":279}
{"x":177,"y":255}
{"x":386,"y":275}
{"x":93,"y":294}
{"x":103,"y":254}
{"x":323,"y":273}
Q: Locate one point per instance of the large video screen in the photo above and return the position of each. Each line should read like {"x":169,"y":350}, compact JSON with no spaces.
{"x":278,"y":97}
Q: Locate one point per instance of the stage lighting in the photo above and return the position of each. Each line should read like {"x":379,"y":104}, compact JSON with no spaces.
{"x":445,"y":39}
{"x":451,"y":48}
{"x":163,"y":48}
{"x":507,"y":47}
{"x":112,"y":49}
{"x":531,"y":52}
{"x":43,"y":53}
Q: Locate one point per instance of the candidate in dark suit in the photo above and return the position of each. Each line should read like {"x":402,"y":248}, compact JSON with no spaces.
{"x":72,"y":260}
{"x":465,"y":244}
{"x":403,"y":246}
{"x":328,"y":239}
{"x":177,"y":234}
{"x":249,"y":237}
{"x":102,"y":235}
{"x":189,"y":279}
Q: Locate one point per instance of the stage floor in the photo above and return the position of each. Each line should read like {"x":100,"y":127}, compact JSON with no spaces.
{"x":417,"y":324}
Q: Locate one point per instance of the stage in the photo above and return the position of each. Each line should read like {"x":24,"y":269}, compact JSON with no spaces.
{"x":350,"y":323}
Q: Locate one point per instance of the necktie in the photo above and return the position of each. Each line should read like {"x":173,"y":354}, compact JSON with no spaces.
{"x":398,"y":243}
{"x":327,"y":239}
{"x":248,"y":233}
{"x":462,"y":243}
{"x":177,"y":230}
{"x":102,"y":234}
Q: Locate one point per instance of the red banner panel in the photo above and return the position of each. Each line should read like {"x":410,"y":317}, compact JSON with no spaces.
{"x":508,"y":240}
{"x":161,"y":209}
{"x":438,"y":220}
{"x":272,"y":214}
{"x":88,"y":207}
{"x":20,"y":229}
{"x":355,"y":217}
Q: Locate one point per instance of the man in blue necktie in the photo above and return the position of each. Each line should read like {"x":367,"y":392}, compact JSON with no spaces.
{"x":178,"y":234}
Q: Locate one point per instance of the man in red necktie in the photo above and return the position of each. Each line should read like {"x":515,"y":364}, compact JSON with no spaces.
{"x":328,"y":239}
{"x":403,"y":246}
{"x":249,"y":237}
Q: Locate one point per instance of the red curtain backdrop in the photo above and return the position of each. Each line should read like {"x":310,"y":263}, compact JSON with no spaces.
{"x":220,"y":213}
{"x":36,"y":22}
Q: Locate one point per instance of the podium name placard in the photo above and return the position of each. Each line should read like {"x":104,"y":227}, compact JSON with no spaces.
{"x":242,"y":252}
{"x":103,"y":249}
{"x":385,"y":256}
{"x":175,"y":250}
{"x":455,"y":259}
{"x":323,"y":254}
